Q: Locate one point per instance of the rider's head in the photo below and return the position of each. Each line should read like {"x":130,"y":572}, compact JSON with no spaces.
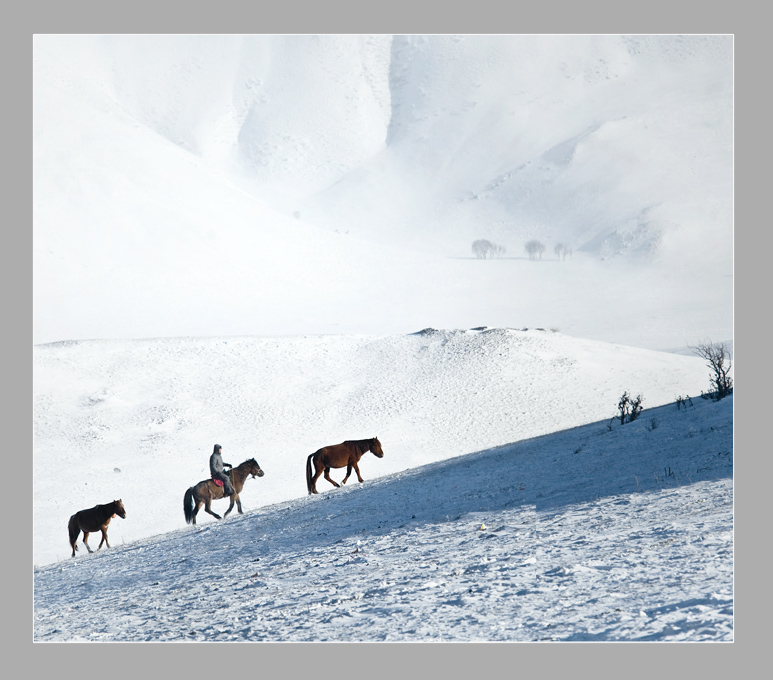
{"x":217,"y":448}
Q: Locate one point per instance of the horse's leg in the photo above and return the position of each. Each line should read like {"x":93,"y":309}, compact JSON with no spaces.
{"x":327,"y":477}
{"x":230,"y":507}
{"x":85,"y":542}
{"x":239,"y":504}
{"x":348,"y":472}
{"x":207,"y":508}
{"x":317,"y":472}
{"x":104,"y":538}
{"x":357,"y":470}
{"x":196,"y":509}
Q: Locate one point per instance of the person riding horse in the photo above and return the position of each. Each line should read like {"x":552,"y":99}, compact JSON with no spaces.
{"x":217,"y":469}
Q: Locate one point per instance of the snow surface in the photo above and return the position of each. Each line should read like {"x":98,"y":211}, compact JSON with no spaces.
{"x":503,"y":509}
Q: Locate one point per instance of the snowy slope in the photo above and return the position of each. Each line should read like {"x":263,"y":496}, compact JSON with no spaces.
{"x":586,"y":534}
{"x":138,"y":419}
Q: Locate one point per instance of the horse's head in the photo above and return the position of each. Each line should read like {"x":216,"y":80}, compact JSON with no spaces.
{"x":375,"y":447}
{"x":119,"y":510}
{"x":253,"y":468}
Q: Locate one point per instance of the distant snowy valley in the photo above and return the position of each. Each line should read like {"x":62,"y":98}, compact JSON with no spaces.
{"x":285,"y":185}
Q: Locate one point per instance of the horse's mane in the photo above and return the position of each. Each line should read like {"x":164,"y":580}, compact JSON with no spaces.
{"x":359,"y":445}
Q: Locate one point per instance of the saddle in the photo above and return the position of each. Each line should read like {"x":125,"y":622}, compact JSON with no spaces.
{"x":230,"y":477}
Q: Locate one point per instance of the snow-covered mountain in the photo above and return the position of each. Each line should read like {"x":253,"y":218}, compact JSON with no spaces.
{"x":221,"y":185}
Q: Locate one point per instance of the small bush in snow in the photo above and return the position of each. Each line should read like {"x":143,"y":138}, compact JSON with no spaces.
{"x":628,"y":409}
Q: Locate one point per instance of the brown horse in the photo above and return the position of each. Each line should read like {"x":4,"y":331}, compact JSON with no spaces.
{"x":207,"y":491}
{"x":347,"y":454}
{"x":94,"y":519}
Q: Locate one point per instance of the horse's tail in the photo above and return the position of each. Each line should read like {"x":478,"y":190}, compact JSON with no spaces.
{"x":188,"y":505}
{"x":308,"y":472}
{"x":73,"y":529}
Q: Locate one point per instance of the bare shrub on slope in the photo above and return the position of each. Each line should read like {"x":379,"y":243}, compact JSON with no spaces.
{"x":717,"y":356}
{"x":629,"y":408}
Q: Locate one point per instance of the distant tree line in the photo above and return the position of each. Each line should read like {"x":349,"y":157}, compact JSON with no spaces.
{"x":485,"y":249}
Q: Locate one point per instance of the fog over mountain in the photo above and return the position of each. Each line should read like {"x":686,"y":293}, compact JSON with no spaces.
{"x":208,"y":185}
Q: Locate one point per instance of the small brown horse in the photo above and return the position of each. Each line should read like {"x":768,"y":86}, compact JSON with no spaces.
{"x":347,"y":454}
{"x":94,"y":519}
{"x":207,"y":491}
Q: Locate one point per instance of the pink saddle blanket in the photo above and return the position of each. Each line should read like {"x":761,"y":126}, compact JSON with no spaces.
{"x":217,"y":481}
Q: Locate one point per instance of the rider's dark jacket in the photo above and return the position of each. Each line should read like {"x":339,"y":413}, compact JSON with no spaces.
{"x":216,"y":463}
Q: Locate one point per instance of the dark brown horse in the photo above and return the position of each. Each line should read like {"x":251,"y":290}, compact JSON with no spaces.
{"x":94,"y":519}
{"x":346,"y":454}
{"x":207,"y":491}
